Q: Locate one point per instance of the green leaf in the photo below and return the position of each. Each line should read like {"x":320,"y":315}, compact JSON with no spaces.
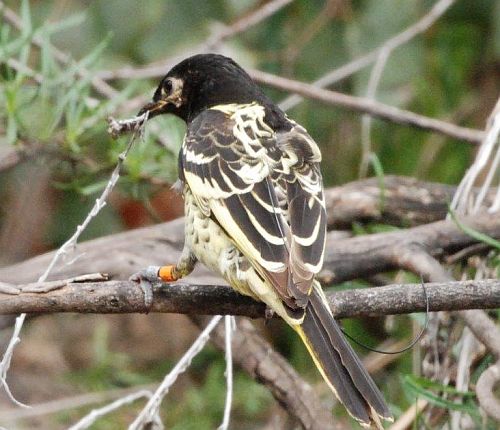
{"x":71,"y":21}
{"x":379,"y":172}
{"x":429,"y":384}
{"x":418,"y":387}
{"x":26,"y":23}
{"x":481,"y":237}
{"x":93,"y":188}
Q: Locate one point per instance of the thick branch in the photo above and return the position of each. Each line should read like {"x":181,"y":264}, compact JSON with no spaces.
{"x":125,"y":253}
{"x":370,"y":254}
{"x":400,"y":201}
{"x":127,"y":297}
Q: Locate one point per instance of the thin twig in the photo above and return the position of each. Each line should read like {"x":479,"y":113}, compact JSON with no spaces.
{"x":229,"y":327}
{"x":63,"y":251}
{"x":44,"y":287}
{"x":383,"y":53}
{"x":118,"y":127}
{"x":462,"y":201}
{"x":152,"y":407}
{"x":243,"y":24}
{"x":405,"y":420}
{"x":366,"y":120}
{"x":480,"y":324}
{"x":361,"y":62}
{"x":89,"y":419}
{"x":484,"y":329}
{"x":259,"y":359}
{"x":466,"y":346}
{"x":159,"y":68}
{"x":72,"y":402}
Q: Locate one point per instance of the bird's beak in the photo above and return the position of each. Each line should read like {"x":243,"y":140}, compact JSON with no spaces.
{"x":153,"y":108}
{"x":165,"y":103}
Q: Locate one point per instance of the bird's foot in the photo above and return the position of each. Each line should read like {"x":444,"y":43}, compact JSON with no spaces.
{"x":151,"y":274}
{"x":146,"y":278}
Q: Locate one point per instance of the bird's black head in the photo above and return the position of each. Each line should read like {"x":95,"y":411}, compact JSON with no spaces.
{"x":203,"y":81}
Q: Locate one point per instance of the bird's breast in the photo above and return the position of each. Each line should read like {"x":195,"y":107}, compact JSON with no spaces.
{"x":212,"y":247}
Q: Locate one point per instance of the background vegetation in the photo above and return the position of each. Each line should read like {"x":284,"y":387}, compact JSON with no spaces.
{"x":55,"y":157}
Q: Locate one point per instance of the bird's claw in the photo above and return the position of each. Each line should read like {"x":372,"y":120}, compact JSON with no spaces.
{"x":146,"y":278}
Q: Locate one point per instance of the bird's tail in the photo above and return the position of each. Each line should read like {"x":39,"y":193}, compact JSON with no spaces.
{"x":339,"y":365}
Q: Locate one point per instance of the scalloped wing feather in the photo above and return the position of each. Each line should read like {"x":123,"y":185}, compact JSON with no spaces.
{"x":265,"y":191}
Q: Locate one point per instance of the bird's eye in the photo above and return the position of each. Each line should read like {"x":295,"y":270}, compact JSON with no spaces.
{"x":167,"y":86}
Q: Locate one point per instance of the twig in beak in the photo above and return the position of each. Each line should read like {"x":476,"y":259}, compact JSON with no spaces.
{"x":118,"y":127}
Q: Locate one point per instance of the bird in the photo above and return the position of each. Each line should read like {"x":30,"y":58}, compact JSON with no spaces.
{"x":255,"y":212}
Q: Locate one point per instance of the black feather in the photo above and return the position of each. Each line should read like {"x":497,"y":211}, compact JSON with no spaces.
{"x":341,"y":364}
{"x":269,"y":251}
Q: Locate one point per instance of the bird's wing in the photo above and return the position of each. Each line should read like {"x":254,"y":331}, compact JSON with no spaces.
{"x":305,"y":201}
{"x":246,"y":177}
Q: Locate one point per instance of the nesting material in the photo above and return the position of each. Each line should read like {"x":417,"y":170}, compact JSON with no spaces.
{"x":122,"y":126}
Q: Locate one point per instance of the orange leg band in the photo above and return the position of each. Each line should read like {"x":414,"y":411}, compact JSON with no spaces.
{"x":167,"y":274}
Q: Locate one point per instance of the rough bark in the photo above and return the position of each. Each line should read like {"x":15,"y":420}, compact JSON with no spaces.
{"x":127,"y":297}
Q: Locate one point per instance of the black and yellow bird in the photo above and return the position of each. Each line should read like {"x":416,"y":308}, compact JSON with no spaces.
{"x":255,"y":212}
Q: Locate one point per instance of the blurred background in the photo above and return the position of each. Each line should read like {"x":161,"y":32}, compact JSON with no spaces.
{"x":56,"y":157}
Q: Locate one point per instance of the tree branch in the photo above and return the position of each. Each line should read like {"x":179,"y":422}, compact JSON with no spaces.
{"x":345,"y":259}
{"x":127,"y":252}
{"x":358,"y":104}
{"x":370,"y":107}
{"x":363,"y":61}
{"x":127,"y":297}
{"x":480,"y":324}
{"x":257,"y":357}
{"x":366,"y":255}
{"x":402,"y":201}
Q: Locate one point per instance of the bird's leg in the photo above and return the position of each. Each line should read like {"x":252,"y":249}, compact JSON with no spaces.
{"x":184,"y":267}
{"x":170,"y":273}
